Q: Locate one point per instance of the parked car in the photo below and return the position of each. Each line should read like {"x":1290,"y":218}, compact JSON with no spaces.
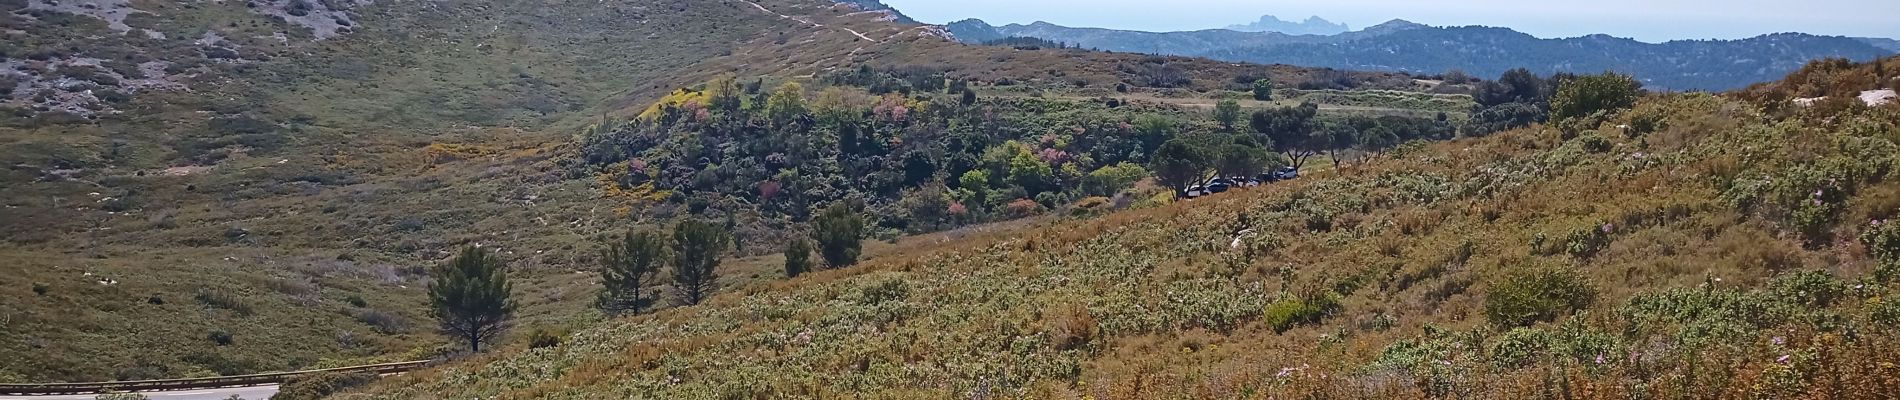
{"x":1217,"y":187}
{"x":1289,"y":173}
{"x":1196,"y":191}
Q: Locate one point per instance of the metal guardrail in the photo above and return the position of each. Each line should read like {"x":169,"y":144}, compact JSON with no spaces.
{"x":197,"y":383}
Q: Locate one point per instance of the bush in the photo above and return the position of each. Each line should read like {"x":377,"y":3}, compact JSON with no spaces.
{"x":224,"y":300}
{"x":40,"y":288}
{"x":1810,"y":288}
{"x":542,"y":338}
{"x":1524,"y":296}
{"x":383,"y":322}
{"x":1519,"y":346}
{"x":1112,"y":179}
{"x":1023,"y":208}
{"x":1288,"y":312}
{"x":1590,"y":94}
{"x":120,"y":396}
{"x":319,"y":385}
{"x":1595,"y":143}
{"x":221,"y":337}
{"x":1882,"y":239}
{"x":356,"y":301}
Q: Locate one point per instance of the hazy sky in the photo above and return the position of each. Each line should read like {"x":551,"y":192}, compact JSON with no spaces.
{"x":1647,"y":20}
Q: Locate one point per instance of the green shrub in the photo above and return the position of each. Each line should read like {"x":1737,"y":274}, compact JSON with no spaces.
{"x":224,"y":300}
{"x":1882,"y":239}
{"x":356,"y":301}
{"x":221,"y":337}
{"x":1595,"y":143}
{"x":1519,"y":346}
{"x":1288,"y":312}
{"x":1523,"y":296}
{"x":1811,"y":288}
{"x":1590,"y":94}
{"x":1711,"y":315}
{"x":318,"y":385}
{"x":40,"y":288}
{"x":120,"y":396}
{"x":542,"y":338}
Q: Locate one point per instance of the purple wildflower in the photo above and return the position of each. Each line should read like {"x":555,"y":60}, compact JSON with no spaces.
{"x":1599,"y":359}
{"x":1784,"y":359}
{"x":1778,"y":340}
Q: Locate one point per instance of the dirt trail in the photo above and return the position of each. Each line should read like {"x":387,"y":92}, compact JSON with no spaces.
{"x":807,"y":21}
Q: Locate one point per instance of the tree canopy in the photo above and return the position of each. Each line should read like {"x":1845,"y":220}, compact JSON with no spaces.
{"x":697,"y":246}
{"x":470,"y":297}
{"x":840,"y":235}
{"x":627,"y":266}
{"x":1181,"y":163}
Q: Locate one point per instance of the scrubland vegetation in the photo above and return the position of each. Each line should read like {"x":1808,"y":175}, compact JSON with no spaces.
{"x":276,"y":195}
{"x":1689,"y":246}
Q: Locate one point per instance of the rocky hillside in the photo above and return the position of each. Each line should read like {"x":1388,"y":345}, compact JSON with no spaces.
{"x":1481,"y":51}
{"x":1685,"y":246}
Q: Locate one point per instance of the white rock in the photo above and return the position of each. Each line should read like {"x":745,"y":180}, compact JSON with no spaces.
{"x":1877,"y":98}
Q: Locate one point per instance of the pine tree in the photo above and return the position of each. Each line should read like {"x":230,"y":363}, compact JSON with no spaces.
{"x":840,"y":235}
{"x":470,"y":297}
{"x":1227,"y":112}
{"x":797,"y":258}
{"x":696,"y":248}
{"x":627,"y":266}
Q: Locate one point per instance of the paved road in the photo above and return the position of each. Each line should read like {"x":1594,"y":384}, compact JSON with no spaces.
{"x":248,"y":393}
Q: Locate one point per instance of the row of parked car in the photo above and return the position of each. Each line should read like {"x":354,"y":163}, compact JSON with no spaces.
{"x":1221,"y":184}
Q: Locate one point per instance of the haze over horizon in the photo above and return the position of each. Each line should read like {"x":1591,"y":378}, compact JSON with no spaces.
{"x":1657,"y":21}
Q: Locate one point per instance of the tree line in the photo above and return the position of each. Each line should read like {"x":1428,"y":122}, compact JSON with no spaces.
{"x":471,"y":297}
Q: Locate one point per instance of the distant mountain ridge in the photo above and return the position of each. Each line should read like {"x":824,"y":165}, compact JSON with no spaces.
{"x":1313,"y":25}
{"x":1884,"y":43}
{"x":1401,"y":45}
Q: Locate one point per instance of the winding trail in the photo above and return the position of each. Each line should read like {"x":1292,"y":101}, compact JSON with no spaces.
{"x":807,"y":21}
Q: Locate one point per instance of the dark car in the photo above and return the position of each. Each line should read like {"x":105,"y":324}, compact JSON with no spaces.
{"x":1269,"y":177}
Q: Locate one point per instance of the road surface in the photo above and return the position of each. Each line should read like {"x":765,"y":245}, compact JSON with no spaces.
{"x":248,"y":393}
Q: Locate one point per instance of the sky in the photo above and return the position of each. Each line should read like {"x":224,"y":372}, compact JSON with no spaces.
{"x":1646,"y":20}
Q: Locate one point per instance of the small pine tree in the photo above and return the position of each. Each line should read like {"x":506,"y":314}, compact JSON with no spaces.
{"x":470,"y":297}
{"x":840,"y":234}
{"x":696,"y":248}
{"x":626,"y":267}
{"x":797,"y":258}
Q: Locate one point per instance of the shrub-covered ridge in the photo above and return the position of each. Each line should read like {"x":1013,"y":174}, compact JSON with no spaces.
{"x":1689,"y":247}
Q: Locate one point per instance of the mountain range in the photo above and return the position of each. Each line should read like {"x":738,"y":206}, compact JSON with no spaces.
{"x":1313,"y":25}
{"x":1401,"y":45}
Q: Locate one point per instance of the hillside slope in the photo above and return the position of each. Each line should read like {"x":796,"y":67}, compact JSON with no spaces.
{"x":1695,"y":246}
{"x":206,"y":188}
{"x":1482,"y":51}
